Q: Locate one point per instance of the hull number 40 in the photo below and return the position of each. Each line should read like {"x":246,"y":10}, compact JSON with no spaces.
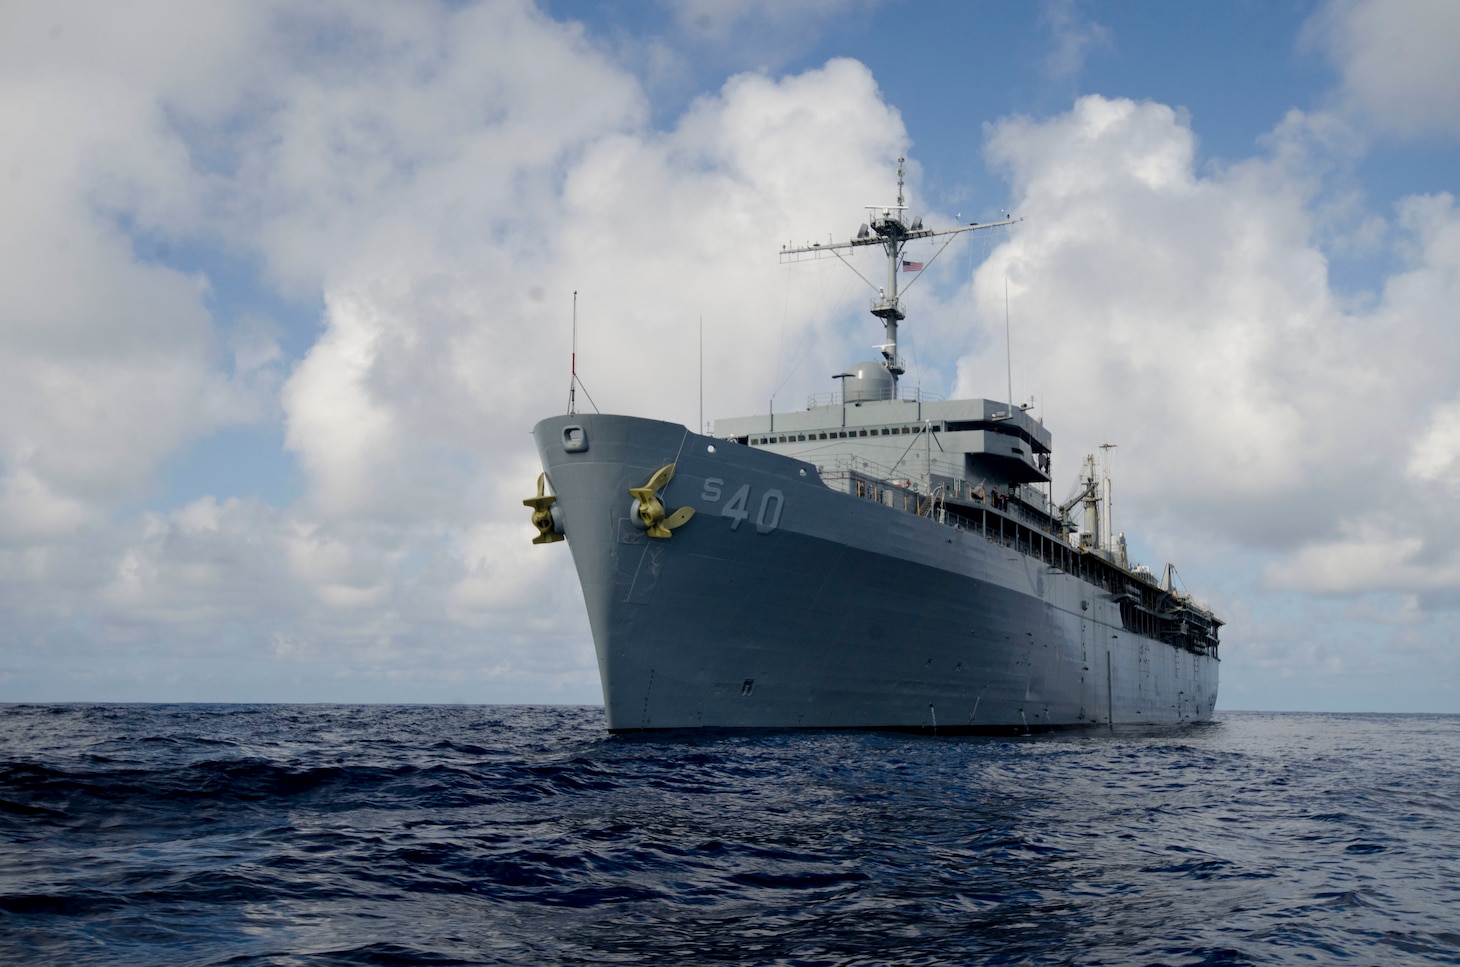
{"x":737,"y":506}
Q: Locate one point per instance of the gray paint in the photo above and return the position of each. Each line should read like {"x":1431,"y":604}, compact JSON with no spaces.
{"x":819,"y":608}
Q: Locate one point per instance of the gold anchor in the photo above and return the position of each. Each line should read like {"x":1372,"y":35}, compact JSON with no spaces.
{"x":542,"y":515}
{"x":651,"y":509}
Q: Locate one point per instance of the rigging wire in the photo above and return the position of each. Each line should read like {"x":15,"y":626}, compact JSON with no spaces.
{"x":914,"y":280}
{"x":587,"y":394}
{"x":805,"y":345}
{"x":574,"y":382}
{"x":785,"y":312}
{"x":960,"y":318}
{"x":854,"y":269}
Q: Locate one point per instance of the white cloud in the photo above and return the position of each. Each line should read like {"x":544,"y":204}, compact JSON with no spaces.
{"x":31,"y":511}
{"x":1169,"y":295}
{"x":440,"y":179}
{"x":1397,"y":59}
{"x":1436,"y":454}
{"x":107,"y":358}
{"x":346,"y":437}
{"x":437,"y":345}
{"x":700,"y":210}
{"x":1075,"y":37}
{"x":419,"y":393}
{"x":1379,"y":555}
{"x":411,"y":167}
{"x":1189,"y":318}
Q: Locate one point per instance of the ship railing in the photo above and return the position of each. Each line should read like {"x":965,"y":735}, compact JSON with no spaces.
{"x":871,"y":469}
{"x":898,"y":493}
{"x":1009,"y":503}
{"x":860,"y":478}
{"x":914,"y":395}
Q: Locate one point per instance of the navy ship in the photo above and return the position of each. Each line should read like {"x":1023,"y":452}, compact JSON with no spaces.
{"x":878,"y":560}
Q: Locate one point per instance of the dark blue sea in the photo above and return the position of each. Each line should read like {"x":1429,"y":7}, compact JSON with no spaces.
{"x":289,"y":834}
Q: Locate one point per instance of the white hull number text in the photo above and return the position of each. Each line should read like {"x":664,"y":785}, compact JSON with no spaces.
{"x":737,"y":508}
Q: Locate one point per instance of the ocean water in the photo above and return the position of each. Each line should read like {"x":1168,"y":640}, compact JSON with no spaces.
{"x":218,"y":834}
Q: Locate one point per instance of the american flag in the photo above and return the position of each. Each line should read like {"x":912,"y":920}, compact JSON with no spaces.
{"x":911,"y":266}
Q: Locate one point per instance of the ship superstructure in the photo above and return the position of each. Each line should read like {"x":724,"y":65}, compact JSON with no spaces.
{"x":876,"y":560}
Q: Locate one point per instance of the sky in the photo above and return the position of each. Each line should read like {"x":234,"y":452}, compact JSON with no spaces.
{"x":287,"y":286}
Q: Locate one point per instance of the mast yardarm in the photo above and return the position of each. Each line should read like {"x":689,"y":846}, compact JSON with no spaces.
{"x":886,"y":226}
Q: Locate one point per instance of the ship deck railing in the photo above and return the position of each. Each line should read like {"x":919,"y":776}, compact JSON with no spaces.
{"x":915,"y":395}
{"x":1014,"y":501}
{"x":1146,"y":608}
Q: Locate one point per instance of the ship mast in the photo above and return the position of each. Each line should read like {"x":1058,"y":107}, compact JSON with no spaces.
{"x":886,"y":226}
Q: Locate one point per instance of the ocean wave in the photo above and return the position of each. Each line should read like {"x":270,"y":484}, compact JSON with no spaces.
{"x":341,"y":835}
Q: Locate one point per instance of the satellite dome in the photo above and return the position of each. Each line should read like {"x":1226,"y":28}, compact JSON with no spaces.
{"x":867,"y":381}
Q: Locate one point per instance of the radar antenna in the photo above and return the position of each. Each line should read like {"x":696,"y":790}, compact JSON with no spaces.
{"x":886,"y":226}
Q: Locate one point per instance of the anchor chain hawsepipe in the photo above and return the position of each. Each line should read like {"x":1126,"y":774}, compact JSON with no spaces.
{"x":649,"y":509}
{"x":548,"y":527}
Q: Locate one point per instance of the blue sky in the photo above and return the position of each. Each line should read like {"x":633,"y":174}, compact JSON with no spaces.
{"x":287,"y":288}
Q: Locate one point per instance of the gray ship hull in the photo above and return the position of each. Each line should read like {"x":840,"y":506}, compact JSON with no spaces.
{"x":783,"y":603}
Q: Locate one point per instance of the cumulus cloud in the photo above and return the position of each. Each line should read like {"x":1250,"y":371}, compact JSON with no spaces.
{"x":437,"y":341}
{"x":409,"y":170}
{"x":1436,"y":454}
{"x":108,"y":359}
{"x":1189,"y":318}
{"x":1075,"y":37}
{"x":408,"y":167}
{"x":1174,"y":290}
{"x":1397,"y":60}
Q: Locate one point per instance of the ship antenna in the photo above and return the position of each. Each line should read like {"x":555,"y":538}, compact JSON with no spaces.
{"x":573,"y":361}
{"x":1008,"y":347}
{"x":574,"y":382}
{"x":892,"y":228}
{"x":888,"y":227}
{"x":701,"y":373}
